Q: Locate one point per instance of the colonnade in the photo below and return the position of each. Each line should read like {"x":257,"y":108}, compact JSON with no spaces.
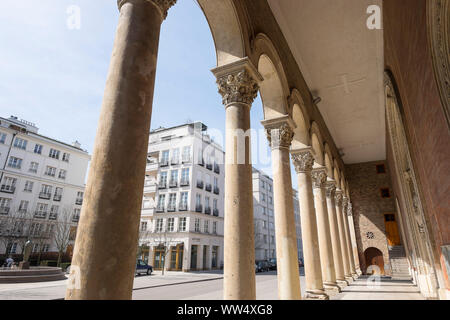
{"x":105,"y":250}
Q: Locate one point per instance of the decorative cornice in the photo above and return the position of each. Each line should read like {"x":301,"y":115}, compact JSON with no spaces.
{"x":331,"y":189}
{"x":303,"y":160}
{"x":319,"y":177}
{"x":238,"y":82}
{"x":162,"y":5}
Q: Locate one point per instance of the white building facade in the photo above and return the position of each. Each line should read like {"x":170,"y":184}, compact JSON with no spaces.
{"x":264,"y":220}
{"x":42,"y":181}
{"x":182,"y":220}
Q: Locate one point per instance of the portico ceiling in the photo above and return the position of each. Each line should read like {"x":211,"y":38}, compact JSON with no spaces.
{"x":342,"y":62}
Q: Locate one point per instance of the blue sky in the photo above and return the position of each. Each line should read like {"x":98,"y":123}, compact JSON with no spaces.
{"x":54,"y":76}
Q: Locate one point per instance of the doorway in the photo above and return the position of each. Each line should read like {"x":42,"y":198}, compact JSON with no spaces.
{"x":176,"y":257}
{"x":194,"y":257}
{"x":374,"y":261}
{"x":392,"y":234}
{"x":158,"y":261}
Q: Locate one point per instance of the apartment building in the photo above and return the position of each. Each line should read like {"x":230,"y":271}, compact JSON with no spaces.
{"x":182,"y":220}
{"x":41,"y":186}
{"x":264,"y":220}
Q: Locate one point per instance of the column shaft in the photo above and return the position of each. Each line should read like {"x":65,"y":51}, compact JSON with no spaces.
{"x":109,"y":223}
{"x":342,"y":239}
{"x":348,"y":239}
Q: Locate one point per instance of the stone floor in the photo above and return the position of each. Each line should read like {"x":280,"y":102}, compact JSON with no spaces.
{"x":209,"y":286}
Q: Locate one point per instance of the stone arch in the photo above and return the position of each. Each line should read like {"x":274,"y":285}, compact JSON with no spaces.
{"x":226,"y":30}
{"x":274,"y":88}
{"x":300,"y":117}
{"x":328,"y":160}
{"x":317,"y":144}
{"x":336,"y":174}
{"x":373,"y":258}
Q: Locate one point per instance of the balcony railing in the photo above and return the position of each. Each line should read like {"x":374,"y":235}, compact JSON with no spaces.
{"x":209,"y":166}
{"x":164,"y":163}
{"x":184,"y":183}
{"x":79,"y":202}
{"x":160,"y":209}
{"x":208,"y":187}
{"x":162,"y":185}
{"x":199,"y":208}
{"x":171,"y":208}
{"x":45,"y":195}
{"x":57,"y":197}
{"x":53,"y":216}
{"x":173,"y":184}
{"x":175,"y":161}
{"x":32,"y":170}
{"x":207,"y":210}
{"x":200,"y":184}
{"x":40,"y":214}
{"x":201,"y":163}
{"x":216,"y":168}
{"x":216,"y":190}
{"x":216,"y":212}
{"x":7,"y":188}
{"x":4,"y":210}
{"x":182,"y":207}
{"x":186,"y":159}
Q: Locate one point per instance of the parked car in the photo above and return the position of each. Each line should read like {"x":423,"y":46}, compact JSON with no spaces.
{"x":273,"y":264}
{"x":143,"y":267}
{"x":262,"y":266}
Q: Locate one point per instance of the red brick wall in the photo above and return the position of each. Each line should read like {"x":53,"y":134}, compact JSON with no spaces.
{"x":408,"y":57}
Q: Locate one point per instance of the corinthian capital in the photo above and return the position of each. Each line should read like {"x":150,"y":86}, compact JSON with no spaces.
{"x":338,"y":197}
{"x":319,"y":177}
{"x":349,"y":209}
{"x":344,"y":204}
{"x":303,"y":160}
{"x":238,"y":82}
{"x":331,"y":189}
{"x":162,"y":5}
{"x":279,"y":131}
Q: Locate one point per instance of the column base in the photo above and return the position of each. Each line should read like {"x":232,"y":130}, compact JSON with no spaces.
{"x":331,"y":288}
{"x":342,"y":283}
{"x":349,"y":279}
{"x":316,"y":295}
{"x":355,"y":276}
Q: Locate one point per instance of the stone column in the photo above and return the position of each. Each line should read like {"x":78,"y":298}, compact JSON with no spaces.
{"x":348,"y":240}
{"x":209,"y":257}
{"x":186,"y":256}
{"x":238,"y":85}
{"x":280,"y":134}
{"x":351,"y":224}
{"x":200,"y":257}
{"x":334,"y":233}
{"x":319,"y":178}
{"x":109,"y":224}
{"x":342,"y":239}
{"x":303,"y":161}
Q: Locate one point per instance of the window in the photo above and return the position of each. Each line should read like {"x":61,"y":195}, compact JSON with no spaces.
{"x":79,"y":199}
{"x":9,"y":185}
{"x":175,"y":156}
{"x":5,"y":204}
{"x":13,"y":247}
{"x":183,"y":201}
{"x":58,"y":194}
{"x":165,"y":158}
{"x":161,"y":203}
{"x":264,"y":224}
{"x":15,"y":163}
{"x":263,"y":185}
{"x":23,"y":207}
{"x":170,"y":224}
{"x":381,"y":168}
{"x":20,"y":143}
{"x":186,"y":154}
{"x":54,"y":154}
{"x":198,"y":203}
{"x":182,"y":225}
{"x":41,"y":210}
{"x":46,"y":192}
{"x":385,"y":193}
{"x":66,"y":157}
{"x":270,"y":200}
{"x":270,"y":187}
{"x":264,"y":210}
{"x":38,"y":148}
{"x":163,"y":180}
{"x":62,"y":174}
{"x":389,"y":217}
{"x":53,"y":212}
{"x":2,"y":138}
{"x":159,"y":225}
{"x":173,"y":178}
{"x":206,"y":226}
{"x":45,"y":247}
{"x":144,"y":226}
{"x":36,"y":247}
{"x":197,"y":225}
{"x":214,"y":227}
{"x":185,"y":177}
{"x":50,"y":171}
{"x":265,"y":238}
{"x":28,"y":186}
{"x":263,"y":197}
{"x":34,"y":167}
{"x":172,"y":202}
{"x":76,"y":215}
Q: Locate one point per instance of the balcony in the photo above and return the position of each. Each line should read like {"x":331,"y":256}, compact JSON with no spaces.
{"x":53,"y":216}
{"x":162,"y":185}
{"x":57,"y":197}
{"x":207,"y":210}
{"x":199,"y":208}
{"x":184,"y":183}
{"x":40,"y":214}
{"x":148,"y":212}
{"x":186,"y":160}
{"x":45,"y":195}
{"x":216,"y":190}
{"x":216,"y":168}
{"x":171,"y":207}
{"x":200,"y":184}
{"x":151,"y":167}
{"x":149,"y":188}
{"x":164,"y":163}
{"x":173,"y":184}
{"x":32,"y":170}
{"x":182,"y":207}
{"x":160,"y":209}
{"x":7,"y":188}
{"x":75,"y":218}
{"x":175,"y":161}
{"x":14,"y":166}
{"x":208,"y":187}
{"x":4,"y":210}
{"x":209,"y":166}
{"x":216,"y":212}
{"x":79,"y":202}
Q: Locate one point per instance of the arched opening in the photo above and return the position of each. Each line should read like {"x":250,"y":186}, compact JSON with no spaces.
{"x":301,"y":119}
{"x":374,"y":262}
{"x":328,"y":162}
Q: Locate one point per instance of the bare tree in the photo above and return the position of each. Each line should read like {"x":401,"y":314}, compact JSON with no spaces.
{"x":13,"y":228}
{"x":63,"y":232}
{"x":164,"y":241}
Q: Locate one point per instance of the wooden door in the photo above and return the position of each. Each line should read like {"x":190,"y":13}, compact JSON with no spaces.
{"x":392,"y":234}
